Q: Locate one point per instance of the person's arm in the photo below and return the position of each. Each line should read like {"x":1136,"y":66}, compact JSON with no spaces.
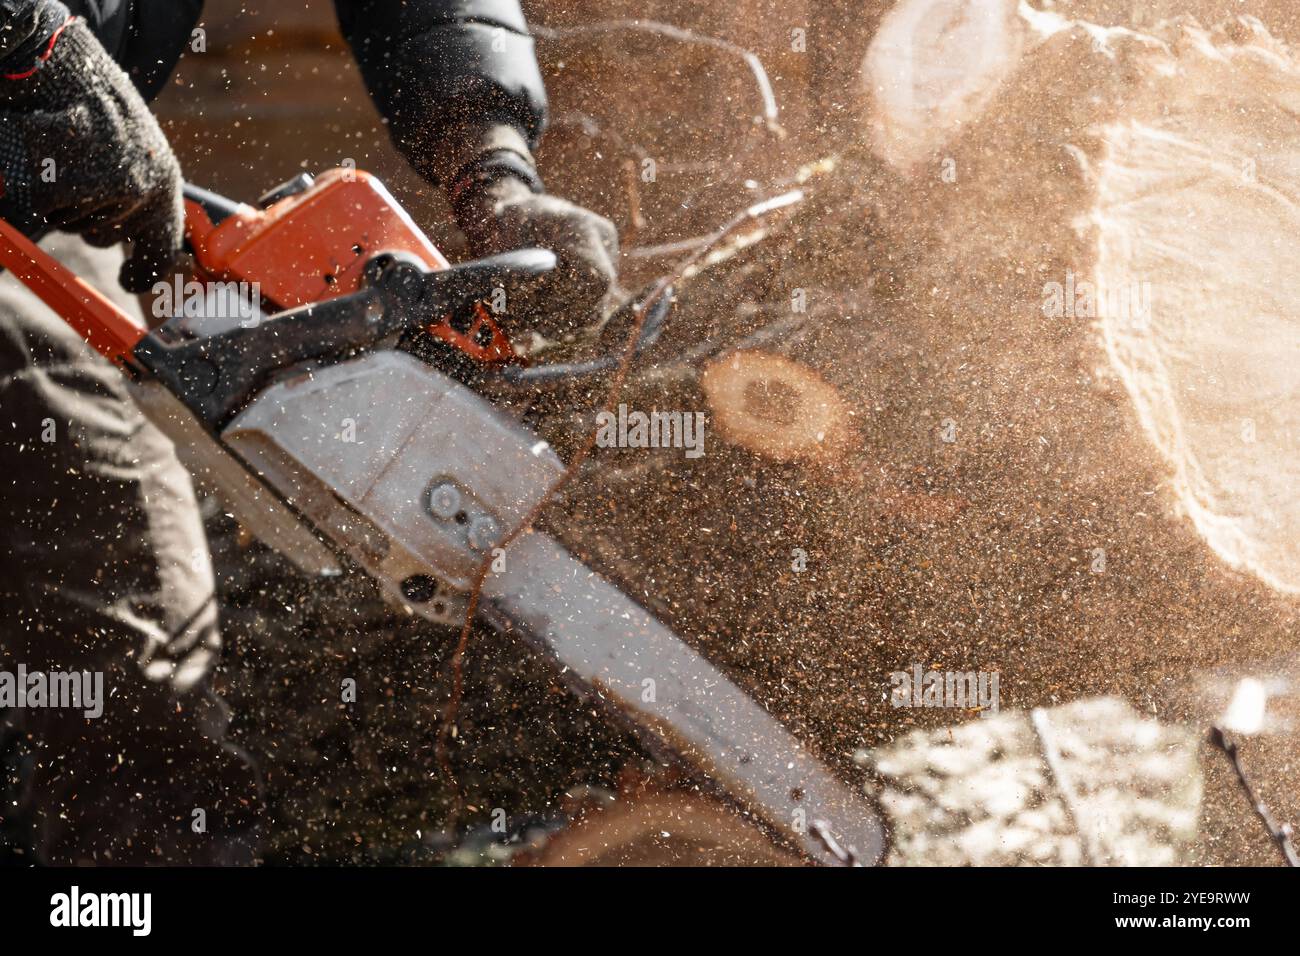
{"x":458,"y":83}
{"x":448,"y":73}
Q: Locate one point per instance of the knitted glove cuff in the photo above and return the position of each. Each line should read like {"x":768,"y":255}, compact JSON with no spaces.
{"x":75,"y":61}
{"x":44,"y":25}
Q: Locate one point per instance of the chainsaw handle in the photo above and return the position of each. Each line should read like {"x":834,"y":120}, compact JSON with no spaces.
{"x":478,"y":277}
{"x":217,"y":207}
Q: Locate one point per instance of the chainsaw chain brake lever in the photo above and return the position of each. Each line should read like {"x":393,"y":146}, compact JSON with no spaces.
{"x":215,"y":376}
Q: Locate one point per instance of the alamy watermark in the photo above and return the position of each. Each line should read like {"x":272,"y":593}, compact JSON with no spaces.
{"x":78,"y":690}
{"x":212,"y":300}
{"x":656,"y":429}
{"x":962,"y":690}
{"x":1127,"y":301}
{"x":81,"y":908}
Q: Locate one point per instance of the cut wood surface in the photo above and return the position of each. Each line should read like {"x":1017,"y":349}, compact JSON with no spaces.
{"x":775,"y":407}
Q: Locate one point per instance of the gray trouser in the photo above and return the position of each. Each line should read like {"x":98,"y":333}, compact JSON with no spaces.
{"x":104,"y":568}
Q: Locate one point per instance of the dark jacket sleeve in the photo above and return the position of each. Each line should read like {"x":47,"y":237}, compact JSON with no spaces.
{"x":436,"y":66}
{"x":25,"y":30}
{"x":145,"y":37}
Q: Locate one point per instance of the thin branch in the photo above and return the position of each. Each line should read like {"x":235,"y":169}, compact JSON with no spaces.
{"x":1280,"y":834}
{"x":1056,"y":770}
{"x":661,"y":288}
{"x":765,"y":92}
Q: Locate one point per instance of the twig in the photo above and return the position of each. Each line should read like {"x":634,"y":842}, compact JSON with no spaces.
{"x":847,"y":856}
{"x":1279,"y":833}
{"x":770,"y":111}
{"x":665,"y":283}
{"x":1056,"y":770}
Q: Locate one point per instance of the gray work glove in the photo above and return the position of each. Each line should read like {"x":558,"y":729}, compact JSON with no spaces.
{"x":80,"y":152}
{"x":500,"y":206}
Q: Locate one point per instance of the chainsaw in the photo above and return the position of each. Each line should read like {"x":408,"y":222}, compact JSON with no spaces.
{"x":340,"y":447}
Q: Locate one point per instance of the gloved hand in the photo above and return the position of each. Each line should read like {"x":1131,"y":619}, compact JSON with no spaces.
{"x":500,"y":206}
{"x":80,"y":152}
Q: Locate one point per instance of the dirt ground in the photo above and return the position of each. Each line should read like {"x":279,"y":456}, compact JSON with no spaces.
{"x":966,"y":555}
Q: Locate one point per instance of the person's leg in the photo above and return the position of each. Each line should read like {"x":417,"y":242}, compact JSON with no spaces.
{"x":105,"y":568}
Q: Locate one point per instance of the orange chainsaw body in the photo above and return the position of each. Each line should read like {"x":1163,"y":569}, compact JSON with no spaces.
{"x":313,"y":246}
